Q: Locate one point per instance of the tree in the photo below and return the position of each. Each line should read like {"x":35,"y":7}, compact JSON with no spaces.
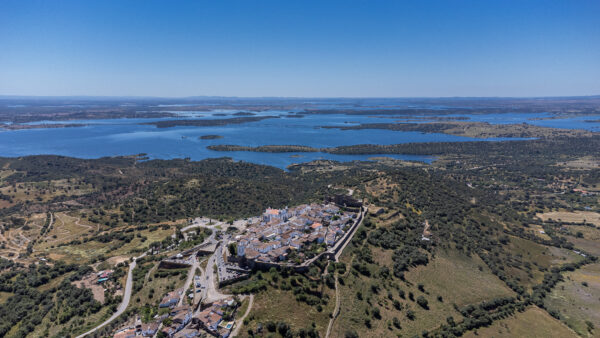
{"x":376,"y":313}
{"x":283,"y":328}
{"x":351,"y":334}
{"x":423,"y":302}
{"x":232,"y":248}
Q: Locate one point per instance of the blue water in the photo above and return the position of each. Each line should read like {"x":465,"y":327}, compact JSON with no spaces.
{"x":114,"y":137}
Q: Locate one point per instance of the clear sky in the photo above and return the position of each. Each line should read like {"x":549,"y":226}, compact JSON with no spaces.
{"x":300,"y":48}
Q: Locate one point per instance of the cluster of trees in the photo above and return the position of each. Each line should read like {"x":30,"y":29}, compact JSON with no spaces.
{"x":554,"y":276}
{"x":28,"y":306}
{"x":143,"y":266}
{"x":306,"y":287}
{"x":158,"y":190}
{"x":510,"y":150}
{"x":475,"y":220}
{"x":404,"y":237}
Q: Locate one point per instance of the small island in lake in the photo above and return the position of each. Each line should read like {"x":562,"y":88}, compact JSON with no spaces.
{"x":208,"y":123}
{"x":210,"y":137}
{"x":265,"y":149}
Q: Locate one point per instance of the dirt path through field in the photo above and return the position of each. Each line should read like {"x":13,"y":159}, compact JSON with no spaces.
{"x":240,"y":321}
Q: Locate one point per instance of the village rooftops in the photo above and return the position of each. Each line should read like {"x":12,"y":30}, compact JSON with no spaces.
{"x":187,"y":333}
{"x":128,"y":332}
{"x":292,"y":228}
{"x":171,"y":298}
{"x":183,"y":308}
{"x":149,"y":329}
{"x":316,"y":225}
{"x":209,"y":319}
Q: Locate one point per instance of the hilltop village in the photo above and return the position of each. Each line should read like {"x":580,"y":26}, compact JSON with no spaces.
{"x":290,"y":237}
{"x":293,"y":234}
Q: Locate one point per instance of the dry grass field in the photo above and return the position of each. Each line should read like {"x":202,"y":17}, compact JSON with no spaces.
{"x":463,"y":283}
{"x":66,"y":228}
{"x":591,"y":246}
{"x":587,"y":162}
{"x":4,"y":296}
{"x":532,"y":323}
{"x":466,"y":280}
{"x":578,"y":299}
{"x":572,"y":217}
{"x":530,"y":251}
{"x":92,"y":249}
{"x":279,"y":305}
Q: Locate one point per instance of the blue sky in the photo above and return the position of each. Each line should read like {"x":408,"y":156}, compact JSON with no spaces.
{"x":300,"y":48}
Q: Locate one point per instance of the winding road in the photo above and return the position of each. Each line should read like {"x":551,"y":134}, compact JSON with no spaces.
{"x":240,"y":321}
{"x":124,"y":303}
{"x":188,"y":281}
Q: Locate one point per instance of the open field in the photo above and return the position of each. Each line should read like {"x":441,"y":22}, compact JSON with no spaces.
{"x":156,"y":287}
{"x":93,"y":249}
{"x":578,"y":299}
{"x":4,"y":173}
{"x":590,"y":245}
{"x":532,"y":323}
{"x":279,"y":305}
{"x":467,"y":280}
{"x":543,"y":256}
{"x":587,"y":232}
{"x":354,"y":311}
{"x":65,"y":229}
{"x":4,"y":296}
{"x":46,"y":190}
{"x":572,"y":217}
{"x":463,"y":283}
{"x":587,"y":162}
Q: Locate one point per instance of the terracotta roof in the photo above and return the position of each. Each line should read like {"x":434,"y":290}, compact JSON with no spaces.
{"x":272,"y":212}
{"x":129,"y":332}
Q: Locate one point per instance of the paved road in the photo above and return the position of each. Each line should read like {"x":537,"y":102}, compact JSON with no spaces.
{"x":124,"y":303}
{"x":362,"y":213}
{"x":189,"y":280}
{"x":212,"y":289}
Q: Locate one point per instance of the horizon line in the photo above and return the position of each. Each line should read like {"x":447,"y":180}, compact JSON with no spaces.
{"x":5,"y":97}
